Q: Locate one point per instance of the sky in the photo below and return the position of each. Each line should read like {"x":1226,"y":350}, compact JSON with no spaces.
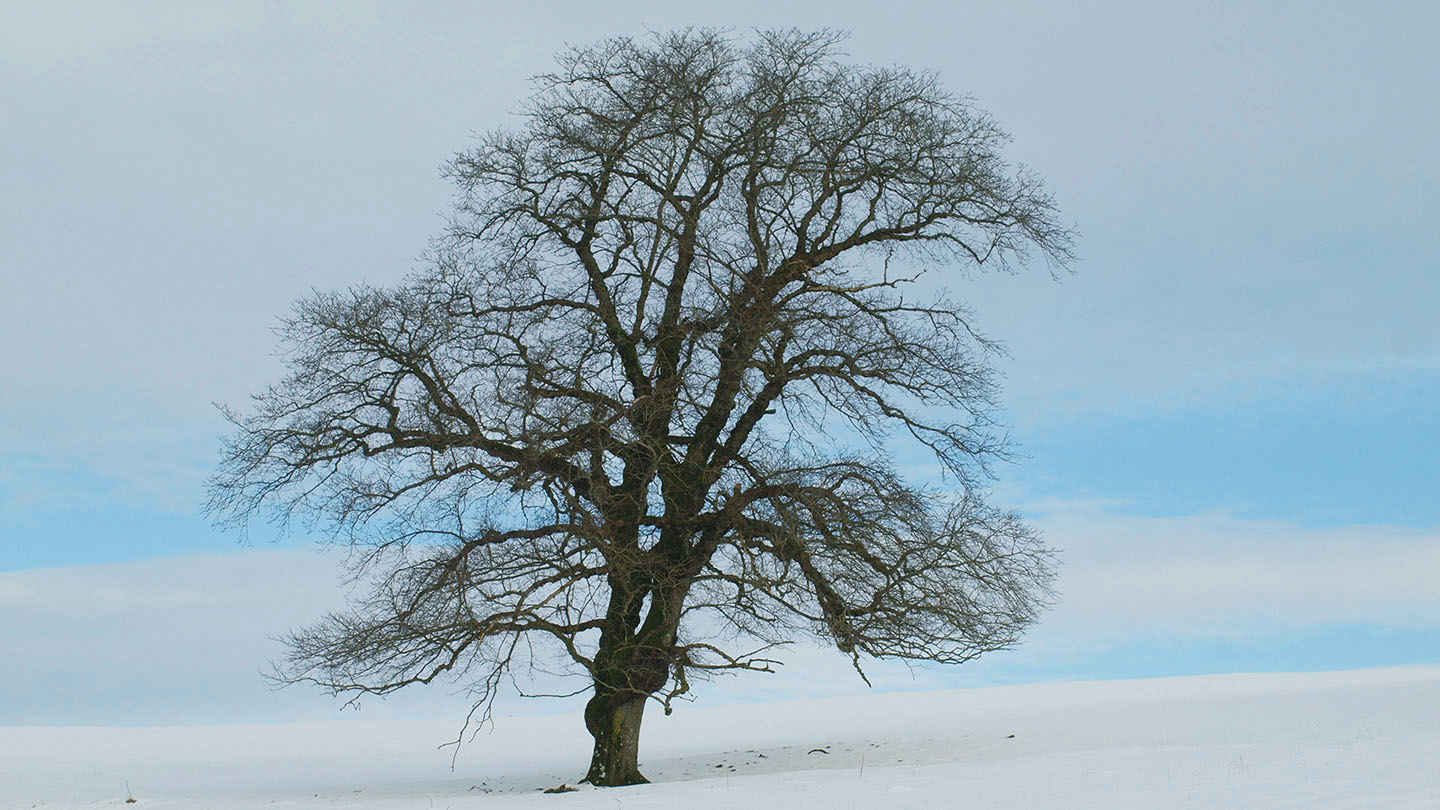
{"x":1225,"y":415}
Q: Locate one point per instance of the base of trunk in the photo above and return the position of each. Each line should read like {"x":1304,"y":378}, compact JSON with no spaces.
{"x":614,"y":722}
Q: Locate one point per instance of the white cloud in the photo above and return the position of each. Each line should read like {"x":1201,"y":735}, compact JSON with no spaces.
{"x":183,"y":639}
{"x":1215,"y":574}
{"x":160,"y":640}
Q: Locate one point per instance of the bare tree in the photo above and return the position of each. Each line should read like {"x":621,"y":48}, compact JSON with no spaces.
{"x":634,"y":418}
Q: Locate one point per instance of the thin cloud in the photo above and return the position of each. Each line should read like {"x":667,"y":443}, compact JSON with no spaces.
{"x":184,"y":639}
{"x":1206,"y":574}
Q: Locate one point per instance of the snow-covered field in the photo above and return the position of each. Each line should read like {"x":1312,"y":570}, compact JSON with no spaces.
{"x":1365,"y":739}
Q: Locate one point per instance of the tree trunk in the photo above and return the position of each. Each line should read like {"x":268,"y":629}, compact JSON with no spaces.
{"x":614,"y":722}
{"x":631,"y":664}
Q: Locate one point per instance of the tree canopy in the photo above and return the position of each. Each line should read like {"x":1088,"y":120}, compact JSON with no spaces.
{"x":635,"y":415}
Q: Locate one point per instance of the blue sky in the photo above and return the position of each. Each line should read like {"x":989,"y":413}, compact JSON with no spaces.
{"x":1234,"y":393}
{"x":1363,"y":449}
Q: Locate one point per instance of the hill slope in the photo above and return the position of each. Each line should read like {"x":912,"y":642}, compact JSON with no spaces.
{"x":1362,"y":739}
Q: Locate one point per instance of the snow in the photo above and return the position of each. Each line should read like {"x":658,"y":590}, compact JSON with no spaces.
{"x":1360,"y":739}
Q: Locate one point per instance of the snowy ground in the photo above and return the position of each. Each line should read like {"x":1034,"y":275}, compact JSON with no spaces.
{"x":1365,"y":739}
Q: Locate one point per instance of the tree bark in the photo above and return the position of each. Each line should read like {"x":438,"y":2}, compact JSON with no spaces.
{"x":614,"y":722}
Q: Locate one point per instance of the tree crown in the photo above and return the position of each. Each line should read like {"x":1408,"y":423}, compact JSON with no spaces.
{"x":651,"y":371}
